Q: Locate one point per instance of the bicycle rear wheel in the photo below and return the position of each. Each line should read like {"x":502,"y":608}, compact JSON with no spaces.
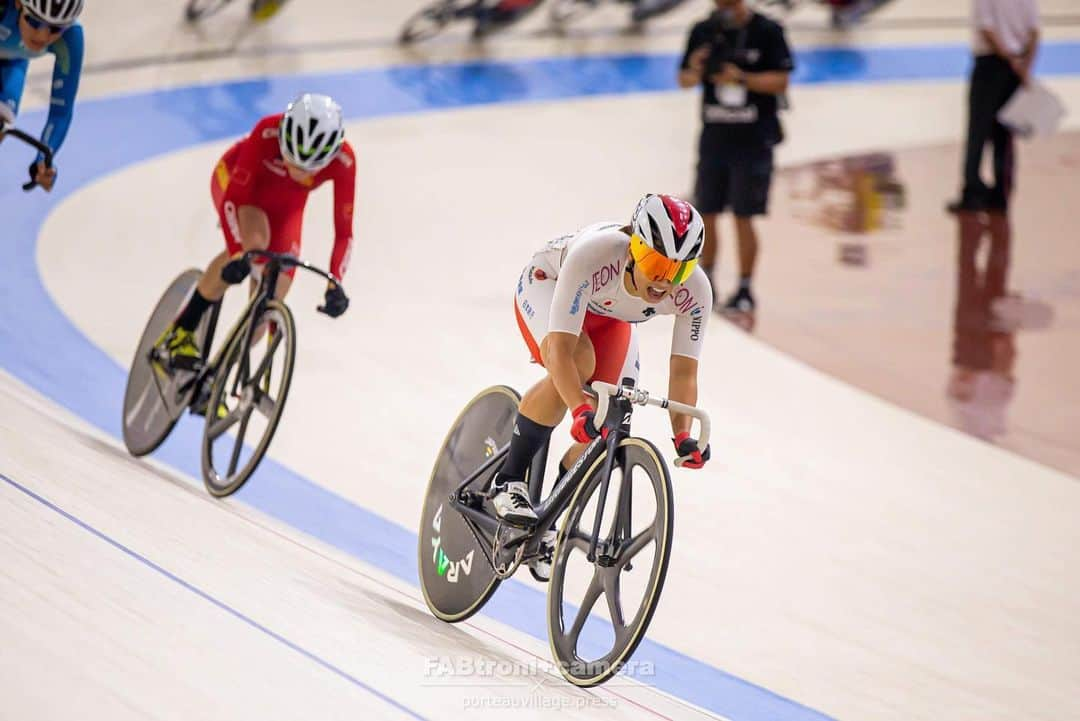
{"x":241,"y":408}
{"x":199,"y":9}
{"x":628,"y":572}
{"x":455,"y":575}
{"x":152,"y":404}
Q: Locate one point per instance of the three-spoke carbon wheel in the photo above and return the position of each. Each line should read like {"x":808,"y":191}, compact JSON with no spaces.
{"x":455,"y":575}
{"x":591,"y":642}
{"x":152,"y":399}
{"x":199,"y":9}
{"x":247,"y":399}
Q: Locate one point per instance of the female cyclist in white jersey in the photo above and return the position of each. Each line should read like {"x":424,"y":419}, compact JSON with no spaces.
{"x":576,"y":304}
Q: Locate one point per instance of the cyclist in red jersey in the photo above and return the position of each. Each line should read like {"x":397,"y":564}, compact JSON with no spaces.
{"x":260,"y":187}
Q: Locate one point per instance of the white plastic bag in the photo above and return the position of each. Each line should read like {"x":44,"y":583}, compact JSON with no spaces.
{"x":1033,"y":110}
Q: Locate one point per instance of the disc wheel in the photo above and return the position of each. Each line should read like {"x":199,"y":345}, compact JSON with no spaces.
{"x":455,"y":575}
{"x":247,"y":399}
{"x":152,"y":402}
{"x":592,"y":641}
{"x":427,"y":22}
{"x":199,"y":9}
{"x":564,"y":12}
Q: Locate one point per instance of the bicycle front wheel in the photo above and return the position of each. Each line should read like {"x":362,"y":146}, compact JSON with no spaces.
{"x":590,"y":641}
{"x":247,"y":399}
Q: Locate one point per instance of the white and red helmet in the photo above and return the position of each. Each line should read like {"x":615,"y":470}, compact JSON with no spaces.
{"x":670,"y":226}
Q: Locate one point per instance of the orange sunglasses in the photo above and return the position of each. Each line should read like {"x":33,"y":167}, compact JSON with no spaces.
{"x":657,"y":266}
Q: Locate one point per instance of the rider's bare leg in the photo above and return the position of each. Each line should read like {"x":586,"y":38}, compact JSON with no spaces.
{"x":542,"y":403}
{"x":542,"y":409}
{"x":254,"y":235}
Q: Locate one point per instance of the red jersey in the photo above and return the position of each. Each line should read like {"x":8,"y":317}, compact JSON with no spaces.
{"x":252,"y":172}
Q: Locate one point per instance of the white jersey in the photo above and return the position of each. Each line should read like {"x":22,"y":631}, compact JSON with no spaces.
{"x":590,"y":268}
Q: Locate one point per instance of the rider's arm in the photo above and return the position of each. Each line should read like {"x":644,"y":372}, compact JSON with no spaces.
{"x":344,"y":199}
{"x":12,"y":80}
{"x":587,"y":254}
{"x":564,"y":373}
{"x":66,"y":72}
{"x":693,"y":303}
{"x":682,"y":387}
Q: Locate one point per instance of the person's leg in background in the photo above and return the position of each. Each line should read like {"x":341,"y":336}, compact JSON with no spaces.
{"x":750,"y":184}
{"x":1006,"y":83}
{"x":981,"y":117}
{"x":711,"y":192}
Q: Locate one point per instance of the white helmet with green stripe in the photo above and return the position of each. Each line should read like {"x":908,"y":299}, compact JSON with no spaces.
{"x":311,"y":132}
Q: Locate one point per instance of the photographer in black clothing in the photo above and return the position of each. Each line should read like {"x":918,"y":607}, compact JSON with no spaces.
{"x":743,"y":62}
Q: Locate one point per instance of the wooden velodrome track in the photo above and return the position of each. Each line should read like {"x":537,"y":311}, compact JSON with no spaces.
{"x":858,"y":559}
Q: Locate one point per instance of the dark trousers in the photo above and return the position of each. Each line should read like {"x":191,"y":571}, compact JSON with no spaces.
{"x":993,"y":82}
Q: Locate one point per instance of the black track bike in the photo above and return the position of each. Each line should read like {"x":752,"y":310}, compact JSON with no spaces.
{"x":33,"y":142}
{"x":258,"y":9}
{"x":486,"y":15}
{"x":564,"y":12}
{"x":614,"y":540}
{"x":241,"y":390}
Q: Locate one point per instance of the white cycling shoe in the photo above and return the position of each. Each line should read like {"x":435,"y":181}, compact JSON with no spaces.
{"x":513,"y":506}
{"x":541,"y":567}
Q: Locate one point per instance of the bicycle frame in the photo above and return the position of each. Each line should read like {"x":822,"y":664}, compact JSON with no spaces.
{"x":615,"y":405}
{"x":264,"y":292}
{"x":617,"y":423}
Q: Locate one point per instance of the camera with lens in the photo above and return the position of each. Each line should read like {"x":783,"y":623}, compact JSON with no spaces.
{"x":720,"y":50}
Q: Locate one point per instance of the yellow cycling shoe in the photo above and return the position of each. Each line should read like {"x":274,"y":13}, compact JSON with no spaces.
{"x":266,"y":9}
{"x":183,"y":350}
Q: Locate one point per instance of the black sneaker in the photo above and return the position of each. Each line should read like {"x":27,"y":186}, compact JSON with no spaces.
{"x":741,"y":301}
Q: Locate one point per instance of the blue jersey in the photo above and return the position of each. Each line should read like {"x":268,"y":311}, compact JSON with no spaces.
{"x":14,"y":59}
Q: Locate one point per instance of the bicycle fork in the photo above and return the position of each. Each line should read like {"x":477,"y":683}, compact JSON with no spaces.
{"x":618,"y":411}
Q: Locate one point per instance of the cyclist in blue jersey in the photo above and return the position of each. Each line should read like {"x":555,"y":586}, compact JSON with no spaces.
{"x":29,"y":29}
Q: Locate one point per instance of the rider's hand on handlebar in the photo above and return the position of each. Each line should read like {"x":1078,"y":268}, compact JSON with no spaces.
{"x":236,"y":270}
{"x":336,"y":301}
{"x":687,"y":448}
{"x":584,"y":428}
{"x":42,"y":175}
